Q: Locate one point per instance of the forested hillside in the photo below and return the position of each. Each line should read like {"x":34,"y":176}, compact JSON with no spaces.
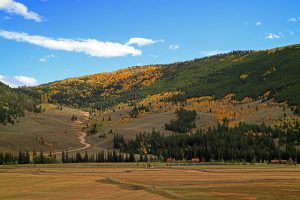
{"x":14,"y":103}
{"x":274,"y":72}
{"x":250,"y":143}
{"x":244,"y":73}
{"x":100,"y":90}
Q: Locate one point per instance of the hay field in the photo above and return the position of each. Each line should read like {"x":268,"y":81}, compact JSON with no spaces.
{"x":128,"y":181}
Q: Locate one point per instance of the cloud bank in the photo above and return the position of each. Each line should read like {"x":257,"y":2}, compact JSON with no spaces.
{"x":90,"y":47}
{"x":16,"y":8}
{"x":17,"y":81}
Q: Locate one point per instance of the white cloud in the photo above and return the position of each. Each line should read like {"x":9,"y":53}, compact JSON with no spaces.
{"x":271,"y":36}
{"x":46,"y":58}
{"x":28,"y":81}
{"x":174,"y":47}
{"x":13,"y":7}
{"x":212,"y":52}
{"x":142,"y":41}
{"x":90,"y":47}
{"x":4,"y":80}
{"x":293,"y":19}
{"x":258,"y":23}
{"x":17,"y":81}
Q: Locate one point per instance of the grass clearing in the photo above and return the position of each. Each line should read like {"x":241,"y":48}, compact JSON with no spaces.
{"x":54,"y":126}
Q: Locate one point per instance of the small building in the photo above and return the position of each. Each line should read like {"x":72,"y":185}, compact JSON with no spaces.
{"x":279,"y":161}
{"x":170,"y":160}
{"x":195,"y":160}
{"x":274,"y":161}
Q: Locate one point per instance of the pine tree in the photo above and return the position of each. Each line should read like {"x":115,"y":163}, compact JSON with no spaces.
{"x":42,"y":157}
{"x":86,"y":157}
{"x":78,"y":158}
{"x":27,"y":157}
{"x":1,"y":158}
{"x":131,"y":157}
{"x":20,"y":157}
{"x":67,"y":157}
{"x":34,"y":157}
{"x":63,"y":157}
{"x":141,"y":157}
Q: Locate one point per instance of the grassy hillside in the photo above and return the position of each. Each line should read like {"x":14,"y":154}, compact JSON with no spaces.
{"x":14,"y":104}
{"x":245,"y":73}
{"x":51,"y":130}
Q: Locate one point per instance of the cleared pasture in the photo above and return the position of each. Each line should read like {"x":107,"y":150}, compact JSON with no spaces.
{"x":129,"y":181}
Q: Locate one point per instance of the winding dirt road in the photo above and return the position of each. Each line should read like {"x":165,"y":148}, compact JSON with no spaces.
{"x":82,"y":140}
{"x":81,"y":135}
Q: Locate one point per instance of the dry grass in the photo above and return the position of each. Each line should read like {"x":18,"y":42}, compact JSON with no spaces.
{"x":144,"y":123}
{"x":249,"y":111}
{"x":54,"y":126}
{"x":127,"y":181}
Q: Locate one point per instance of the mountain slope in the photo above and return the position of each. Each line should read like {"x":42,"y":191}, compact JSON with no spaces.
{"x":275,"y":72}
{"x":101,"y":90}
{"x":244,"y":73}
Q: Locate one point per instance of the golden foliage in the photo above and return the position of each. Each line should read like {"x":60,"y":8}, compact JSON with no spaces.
{"x":111,"y":83}
{"x":269,"y":71}
{"x":244,"y":76}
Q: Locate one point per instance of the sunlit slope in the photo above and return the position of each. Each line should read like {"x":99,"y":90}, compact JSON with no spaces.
{"x":244,"y":73}
{"x":101,"y":90}
{"x":274,"y":73}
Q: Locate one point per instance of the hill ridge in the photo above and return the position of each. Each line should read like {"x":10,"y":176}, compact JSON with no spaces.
{"x":247,"y":73}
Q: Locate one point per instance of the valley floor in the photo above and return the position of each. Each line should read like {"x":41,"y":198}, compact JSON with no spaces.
{"x":129,"y":181}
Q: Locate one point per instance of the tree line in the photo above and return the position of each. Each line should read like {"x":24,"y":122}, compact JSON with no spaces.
{"x":243,"y":143}
{"x":24,"y":157}
{"x":102,"y":156}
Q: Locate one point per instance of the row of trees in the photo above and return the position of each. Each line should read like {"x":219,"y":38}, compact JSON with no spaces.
{"x":249,"y":143}
{"x":102,"y":156}
{"x":24,"y":157}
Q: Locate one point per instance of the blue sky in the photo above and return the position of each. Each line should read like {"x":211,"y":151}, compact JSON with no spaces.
{"x":47,"y":40}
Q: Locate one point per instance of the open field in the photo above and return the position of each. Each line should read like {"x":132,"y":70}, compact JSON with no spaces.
{"x":129,"y":181}
{"x":52,"y":129}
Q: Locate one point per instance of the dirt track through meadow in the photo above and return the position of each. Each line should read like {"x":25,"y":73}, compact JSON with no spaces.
{"x":80,"y":135}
